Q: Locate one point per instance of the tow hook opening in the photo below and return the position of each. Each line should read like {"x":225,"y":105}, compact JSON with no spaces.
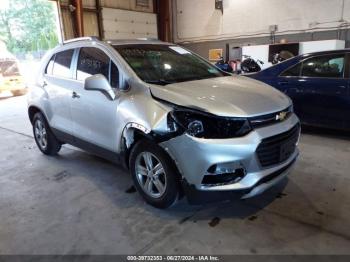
{"x":217,"y":176}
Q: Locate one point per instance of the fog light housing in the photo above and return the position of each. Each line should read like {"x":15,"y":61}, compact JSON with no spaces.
{"x":229,"y":177}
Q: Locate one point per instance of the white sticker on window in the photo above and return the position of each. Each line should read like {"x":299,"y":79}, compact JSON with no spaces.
{"x":179,"y":50}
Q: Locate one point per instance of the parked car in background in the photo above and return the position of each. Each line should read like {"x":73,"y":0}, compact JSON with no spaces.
{"x":174,"y":120}
{"x":10,"y":77}
{"x":319,"y":85}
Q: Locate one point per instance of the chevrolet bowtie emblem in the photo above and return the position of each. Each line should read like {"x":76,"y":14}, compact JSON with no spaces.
{"x":281,"y":116}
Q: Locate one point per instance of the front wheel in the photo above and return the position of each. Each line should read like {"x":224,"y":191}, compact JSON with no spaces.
{"x":154,"y":174}
{"x":44,"y":138}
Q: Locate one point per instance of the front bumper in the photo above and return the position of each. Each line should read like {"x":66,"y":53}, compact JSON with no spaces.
{"x":194,"y":156}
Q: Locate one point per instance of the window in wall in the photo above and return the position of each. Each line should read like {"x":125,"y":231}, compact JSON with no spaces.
{"x":293,"y":71}
{"x":62,"y":63}
{"x":324,"y":66}
{"x":92,"y":61}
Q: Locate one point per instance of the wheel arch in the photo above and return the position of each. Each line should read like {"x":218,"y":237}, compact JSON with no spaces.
{"x":133,"y":133}
{"x":32,"y":110}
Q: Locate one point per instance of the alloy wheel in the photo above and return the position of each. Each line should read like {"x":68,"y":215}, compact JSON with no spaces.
{"x":40,"y":134}
{"x":150,"y":174}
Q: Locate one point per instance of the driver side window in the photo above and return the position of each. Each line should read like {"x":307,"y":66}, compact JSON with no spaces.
{"x":329,"y":66}
{"x":94,"y":61}
{"x":293,"y":71}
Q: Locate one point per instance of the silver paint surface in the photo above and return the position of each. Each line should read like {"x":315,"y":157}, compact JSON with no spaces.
{"x":104,"y":122}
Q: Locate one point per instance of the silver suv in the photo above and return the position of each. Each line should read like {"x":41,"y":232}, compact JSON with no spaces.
{"x":178,"y":123}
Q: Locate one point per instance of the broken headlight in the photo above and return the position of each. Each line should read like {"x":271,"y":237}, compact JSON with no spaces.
{"x":204,"y":125}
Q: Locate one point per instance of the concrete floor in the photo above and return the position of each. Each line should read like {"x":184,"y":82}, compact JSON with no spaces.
{"x":78,"y":204}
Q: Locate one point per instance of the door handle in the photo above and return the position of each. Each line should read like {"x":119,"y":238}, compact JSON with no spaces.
{"x":75,"y":95}
{"x":283,"y":83}
{"x":44,"y":84}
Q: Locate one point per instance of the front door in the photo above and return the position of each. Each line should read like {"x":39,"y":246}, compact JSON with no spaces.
{"x":94,"y":114}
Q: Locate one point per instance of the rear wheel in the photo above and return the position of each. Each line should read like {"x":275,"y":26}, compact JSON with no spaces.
{"x":44,"y":138}
{"x":154,"y":174}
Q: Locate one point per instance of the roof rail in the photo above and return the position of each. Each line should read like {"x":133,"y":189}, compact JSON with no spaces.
{"x":91,"y":38}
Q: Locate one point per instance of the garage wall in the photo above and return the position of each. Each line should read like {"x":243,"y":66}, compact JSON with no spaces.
{"x":199,"y":27}
{"x":202,"y":48}
{"x":92,"y":15}
{"x":197,"y":20}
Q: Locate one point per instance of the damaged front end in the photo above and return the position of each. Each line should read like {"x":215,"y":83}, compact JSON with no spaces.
{"x":217,"y":156}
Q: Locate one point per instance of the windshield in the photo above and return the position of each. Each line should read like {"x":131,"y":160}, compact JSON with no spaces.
{"x":9,"y":68}
{"x":162,"y":64}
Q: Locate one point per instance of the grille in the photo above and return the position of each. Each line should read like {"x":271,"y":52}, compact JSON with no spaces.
{"x":277,"y":149}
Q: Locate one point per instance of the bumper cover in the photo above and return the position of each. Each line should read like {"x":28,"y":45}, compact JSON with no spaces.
{"x":196,"y":196}
{"x":194,"y":156}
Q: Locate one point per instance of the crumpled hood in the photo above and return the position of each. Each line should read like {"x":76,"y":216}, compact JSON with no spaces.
{"x":224,"y":96}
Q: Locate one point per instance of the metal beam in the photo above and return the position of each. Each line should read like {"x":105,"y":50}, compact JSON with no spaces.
{"x":79,"y":21}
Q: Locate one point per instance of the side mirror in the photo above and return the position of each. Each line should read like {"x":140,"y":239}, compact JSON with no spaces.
{"x":99,"y":83}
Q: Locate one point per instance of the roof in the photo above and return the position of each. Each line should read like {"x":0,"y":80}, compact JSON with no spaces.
{"x":329,"y":52}
{"x":119,"y":42}
{"x":137,"y":42}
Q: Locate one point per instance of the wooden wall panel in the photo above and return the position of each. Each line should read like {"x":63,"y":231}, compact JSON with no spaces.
{"x":141,"y":8}
{"x":127,"y":5}
{"x":91,"y":4}
{"x":90,"y":24}
{"x":127,"y":29}
{"x":120,"y":4}
{"x":67,"y":24}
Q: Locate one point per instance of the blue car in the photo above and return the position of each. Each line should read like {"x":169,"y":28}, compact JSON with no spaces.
{"x":319,"y":85}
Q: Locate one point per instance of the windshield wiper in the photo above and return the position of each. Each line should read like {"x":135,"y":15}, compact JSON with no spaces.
{"x":159,"y":82}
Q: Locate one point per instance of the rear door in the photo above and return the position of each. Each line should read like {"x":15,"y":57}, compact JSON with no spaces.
{"x":58,"y":85}
{"x":324,"y":87}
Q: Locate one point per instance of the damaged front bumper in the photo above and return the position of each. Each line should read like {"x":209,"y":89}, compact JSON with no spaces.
{"x":232,"y":167}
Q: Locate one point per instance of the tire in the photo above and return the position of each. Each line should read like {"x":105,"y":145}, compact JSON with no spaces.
{"x":145,"y":185}
{"x":20,"y":92}
{"x":44,"y":138}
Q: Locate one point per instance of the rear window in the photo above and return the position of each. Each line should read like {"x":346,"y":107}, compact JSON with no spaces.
{"x":61,"y":66}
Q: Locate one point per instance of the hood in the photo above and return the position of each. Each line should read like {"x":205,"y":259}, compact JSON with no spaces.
{"x":232,"y":96}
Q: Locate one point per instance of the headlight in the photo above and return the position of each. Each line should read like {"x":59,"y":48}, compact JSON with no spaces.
{"x":204,"y":125}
